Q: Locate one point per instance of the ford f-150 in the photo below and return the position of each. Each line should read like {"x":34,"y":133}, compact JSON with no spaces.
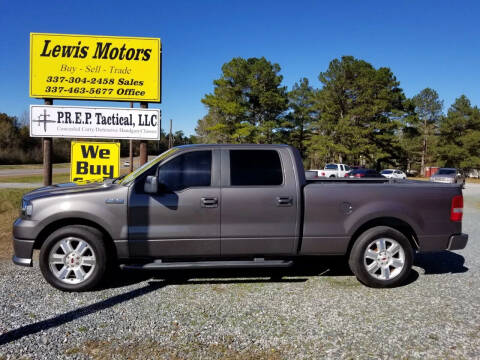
{"x":227,"y":206}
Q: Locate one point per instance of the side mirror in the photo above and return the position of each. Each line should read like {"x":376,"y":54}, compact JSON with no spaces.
{"x":151,"y":185}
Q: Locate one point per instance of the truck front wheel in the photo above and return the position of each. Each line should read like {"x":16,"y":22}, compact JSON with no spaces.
{"x":73,"y":258}
{"x":381,"y":257}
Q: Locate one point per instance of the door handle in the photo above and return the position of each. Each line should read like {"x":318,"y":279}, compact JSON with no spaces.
{"x":284,"y":201}
{"x":209,"y":202}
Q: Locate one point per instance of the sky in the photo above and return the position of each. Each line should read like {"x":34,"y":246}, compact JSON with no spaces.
{"x":425,"y":43}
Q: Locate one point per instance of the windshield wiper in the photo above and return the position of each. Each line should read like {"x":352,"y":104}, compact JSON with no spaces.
{"x":118,"y":178}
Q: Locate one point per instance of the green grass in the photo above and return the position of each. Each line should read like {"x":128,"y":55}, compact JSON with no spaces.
{"x":38,"y":178}
{"x":56,"y":179}
{"x":9,"y":210}
{"x":33,"y":166}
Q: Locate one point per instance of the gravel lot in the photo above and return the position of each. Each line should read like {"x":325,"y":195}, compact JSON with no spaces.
{"x":317,"y":311}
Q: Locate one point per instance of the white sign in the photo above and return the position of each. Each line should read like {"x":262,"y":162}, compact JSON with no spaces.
{"x":94,"y":122}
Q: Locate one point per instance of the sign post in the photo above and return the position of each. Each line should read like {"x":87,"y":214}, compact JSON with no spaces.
{"x":130,"y":149}
{"x":47,"y":152}
{"x":143,"y":143}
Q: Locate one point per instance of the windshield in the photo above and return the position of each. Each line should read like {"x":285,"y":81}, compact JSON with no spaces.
{"x":446,"y":171}
{"x":331,"y":167}
{"x":132,"y":176}
{"x":386,"y":172}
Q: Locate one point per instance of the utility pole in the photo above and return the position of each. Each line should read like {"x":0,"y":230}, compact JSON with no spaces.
{"x":170,"y":140}
{"x":143,"y":143}
{"x":160,"y":136}
{"x":47,"y":154}
{"x":131,"y":148}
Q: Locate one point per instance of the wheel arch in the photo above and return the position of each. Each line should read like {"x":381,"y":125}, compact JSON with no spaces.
{"x":50,"y":228}
{"x":392,"y":222}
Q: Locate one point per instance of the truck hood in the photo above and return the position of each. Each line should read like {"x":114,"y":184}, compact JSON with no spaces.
{"x":68,"y":189}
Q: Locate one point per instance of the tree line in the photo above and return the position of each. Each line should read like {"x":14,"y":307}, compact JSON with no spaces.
{"x":359,"y":116}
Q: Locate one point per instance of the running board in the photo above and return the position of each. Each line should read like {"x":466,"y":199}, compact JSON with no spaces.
{"x":160,"y":265}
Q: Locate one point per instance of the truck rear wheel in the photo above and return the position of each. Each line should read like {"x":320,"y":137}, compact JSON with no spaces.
{"x":381,"y":257}
{"x":73,"y":258}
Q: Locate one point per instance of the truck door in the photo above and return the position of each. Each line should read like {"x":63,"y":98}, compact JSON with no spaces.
{"x":259,"y":202}
{"x":183,"y":218}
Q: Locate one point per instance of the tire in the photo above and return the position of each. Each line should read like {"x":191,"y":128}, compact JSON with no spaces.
{"x":381,"y":257}
{"x":73,"y":258}
{"x":332,"y":176}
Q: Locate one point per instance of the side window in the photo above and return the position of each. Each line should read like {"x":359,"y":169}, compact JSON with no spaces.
{"x":187,"y":170}
{"x":347,"y":168}
{"x":255,"y":167}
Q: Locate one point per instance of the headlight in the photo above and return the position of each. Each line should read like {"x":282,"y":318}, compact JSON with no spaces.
{"x":27,"y":208}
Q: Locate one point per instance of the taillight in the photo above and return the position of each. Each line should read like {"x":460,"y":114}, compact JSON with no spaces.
{"x":456,"y":211}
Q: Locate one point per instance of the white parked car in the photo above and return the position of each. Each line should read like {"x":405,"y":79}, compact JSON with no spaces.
{"x":393,"y":174}
{"x":333,"y":170}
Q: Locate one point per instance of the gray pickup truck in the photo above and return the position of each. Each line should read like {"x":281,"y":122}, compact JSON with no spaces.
{"x":227,"y":206}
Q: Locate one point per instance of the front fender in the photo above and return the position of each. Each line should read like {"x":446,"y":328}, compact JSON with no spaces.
{"x":46,"y":211}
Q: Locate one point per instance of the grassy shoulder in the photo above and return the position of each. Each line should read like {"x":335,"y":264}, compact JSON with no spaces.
{"x":36,"y":178}
{"x":34,"y":166}
{"x":9,"y":209}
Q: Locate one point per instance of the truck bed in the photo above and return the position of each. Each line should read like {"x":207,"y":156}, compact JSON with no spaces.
{"x":336,"y":209}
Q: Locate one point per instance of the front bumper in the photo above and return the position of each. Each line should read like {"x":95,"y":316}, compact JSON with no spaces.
{"x":23,"y":250}
{"x":457,"y":242}
{"x":443,"y":180}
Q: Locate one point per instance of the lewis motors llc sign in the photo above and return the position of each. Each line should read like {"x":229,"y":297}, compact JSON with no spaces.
{"x":94,"y":122}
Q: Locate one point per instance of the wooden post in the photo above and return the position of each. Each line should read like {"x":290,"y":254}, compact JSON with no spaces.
{"x":47,"y":155}
{"x":131,"y":147}
{"x":143,"y":143}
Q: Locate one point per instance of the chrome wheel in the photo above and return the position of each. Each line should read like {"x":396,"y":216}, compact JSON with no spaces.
{"x":384,"y":259}
{"x":72,"y":260}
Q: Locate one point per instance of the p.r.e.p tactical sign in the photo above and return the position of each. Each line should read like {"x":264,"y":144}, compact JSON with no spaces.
{"x":94,"y":161}
{"x":95,"y":67}
{"x":94,"y":122}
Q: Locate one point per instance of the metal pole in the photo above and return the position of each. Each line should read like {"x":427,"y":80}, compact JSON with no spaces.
{"x":160,"y":136}
{"x":143,"y":143}
{"x":131,"y":147}
{"x":47,"y":155}
{"x":170,"y":142}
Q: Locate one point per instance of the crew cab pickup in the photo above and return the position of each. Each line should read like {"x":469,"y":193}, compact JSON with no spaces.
{"x":227,"y":206}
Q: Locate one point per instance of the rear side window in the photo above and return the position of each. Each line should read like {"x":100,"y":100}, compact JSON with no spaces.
{"x":187,"y":170}
{"x":255,"y":167}
{"x":331,"y":167}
